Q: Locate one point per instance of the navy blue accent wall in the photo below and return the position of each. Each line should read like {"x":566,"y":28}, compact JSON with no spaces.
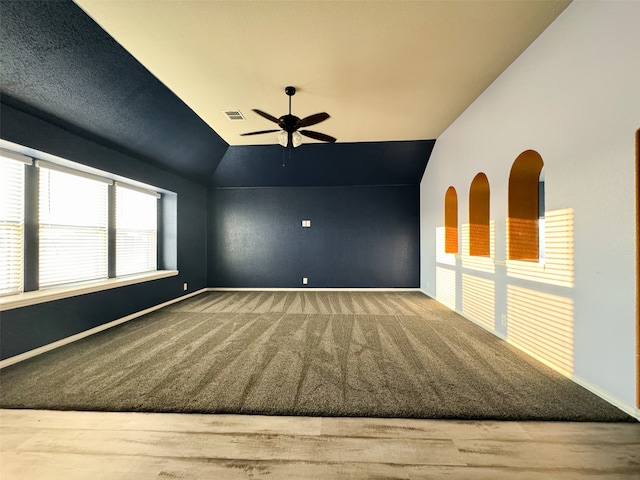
{"x":360,"y":237}
{"x":315,"y":164}
{"x":62,"y":66}
{"x":26,"y":328}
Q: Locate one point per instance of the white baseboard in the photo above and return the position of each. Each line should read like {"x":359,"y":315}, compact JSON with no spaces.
{"x":78,"y":336}
{"x":624,"y":406}
{"x":302,"y":289}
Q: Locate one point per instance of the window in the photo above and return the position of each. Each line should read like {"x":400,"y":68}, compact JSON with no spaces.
{"x":68,"y":229}
{"x":451,"y":221}
{"x":73,"y":223}
{"x":541,"y":218}
{"x":136,"y":230}
{"x":524,"y":207}
{"x":11,"y":221}
{"x":479,"y":244}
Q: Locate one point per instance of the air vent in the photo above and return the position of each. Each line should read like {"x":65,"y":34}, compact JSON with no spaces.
{"x":234,"y":115}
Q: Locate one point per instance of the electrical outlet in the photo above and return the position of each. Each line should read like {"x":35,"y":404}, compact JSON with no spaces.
{"x":305,"y":280}
{"x":504,"y":320}
{"x":185,"y":286}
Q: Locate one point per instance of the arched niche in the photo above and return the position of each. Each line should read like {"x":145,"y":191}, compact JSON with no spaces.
{"x":524,"y":207}
{"x":451,"y":221}
{"x":479,"y":195}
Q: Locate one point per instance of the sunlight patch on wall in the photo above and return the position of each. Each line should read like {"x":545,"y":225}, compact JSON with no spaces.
{"x":558,"y":265}
{"x":478,"y":300}
{"x":441,"y":256}
{"x":482,"y":264}
{"x":542,"y":325}
{"x":446,"y":287}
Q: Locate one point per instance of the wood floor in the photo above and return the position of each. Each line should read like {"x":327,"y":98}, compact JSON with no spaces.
{"x":45,"y":445}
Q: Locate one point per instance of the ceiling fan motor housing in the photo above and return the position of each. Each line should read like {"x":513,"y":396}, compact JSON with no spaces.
{"x":289,"y":123}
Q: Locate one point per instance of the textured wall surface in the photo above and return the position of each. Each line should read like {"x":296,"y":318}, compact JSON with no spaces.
{"x":359,"y":237}
{"x":58,"y":64}
{"x":313,"y":165}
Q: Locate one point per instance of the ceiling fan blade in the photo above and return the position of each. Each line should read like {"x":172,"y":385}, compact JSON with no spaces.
{"x":312,"y":120}
{"x":266,"y":115}
{"x":318,"y":136}
{"x":258,"y":133}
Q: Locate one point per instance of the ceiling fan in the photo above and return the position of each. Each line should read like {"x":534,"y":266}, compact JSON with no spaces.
{"x":290,"y":135}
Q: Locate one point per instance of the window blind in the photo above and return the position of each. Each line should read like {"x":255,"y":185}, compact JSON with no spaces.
{"x":73,"y":228}
{"x":11,"y":222}
{"x":136,"y":230}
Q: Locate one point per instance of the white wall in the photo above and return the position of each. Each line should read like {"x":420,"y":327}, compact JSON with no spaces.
{"x":574,"y":97}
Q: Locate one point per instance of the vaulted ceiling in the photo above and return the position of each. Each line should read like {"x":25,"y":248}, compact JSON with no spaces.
{"x":154,"y":79}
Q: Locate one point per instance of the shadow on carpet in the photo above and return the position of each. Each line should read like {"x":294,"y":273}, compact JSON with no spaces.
{"x":302,"y":353}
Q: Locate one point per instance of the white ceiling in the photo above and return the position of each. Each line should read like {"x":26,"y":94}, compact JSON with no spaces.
{"x":384,"y":71}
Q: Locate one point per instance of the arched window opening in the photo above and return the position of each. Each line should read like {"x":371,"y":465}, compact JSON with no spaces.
{"x":525,"y":206}
{"x":479,"y":243}
{"x":451,"y":221}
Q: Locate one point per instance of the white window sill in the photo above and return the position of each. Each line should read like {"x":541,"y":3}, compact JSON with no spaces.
{"x":41,"y":296}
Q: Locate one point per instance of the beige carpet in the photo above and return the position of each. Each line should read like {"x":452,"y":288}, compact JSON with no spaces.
{"x":302,"y":353}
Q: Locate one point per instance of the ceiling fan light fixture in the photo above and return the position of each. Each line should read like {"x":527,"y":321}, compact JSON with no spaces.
{"x":296,"y":139}
{"x":282,"y":138}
